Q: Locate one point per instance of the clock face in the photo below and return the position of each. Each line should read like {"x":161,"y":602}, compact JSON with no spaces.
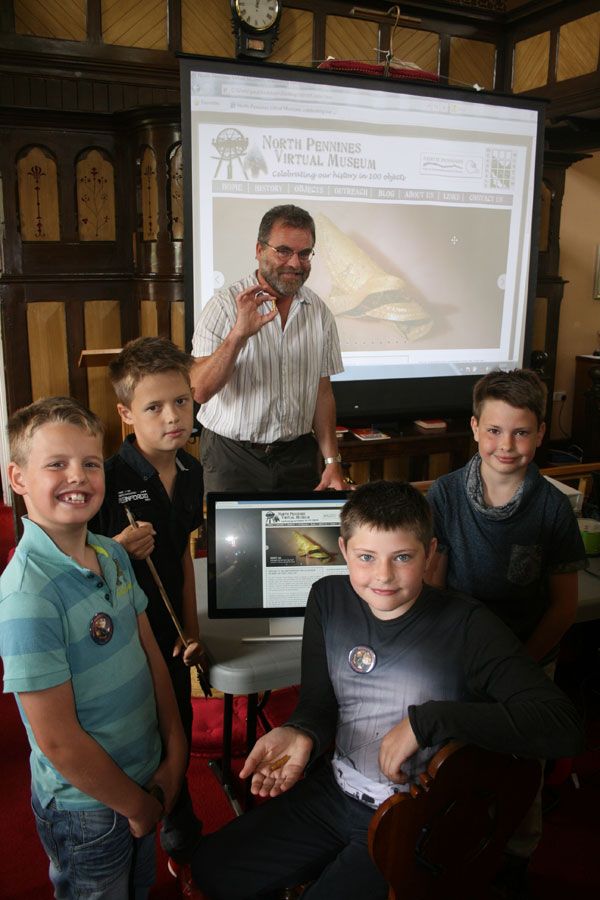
{"x":257,"y":14}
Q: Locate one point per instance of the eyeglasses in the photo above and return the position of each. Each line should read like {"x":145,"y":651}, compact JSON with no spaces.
{"x":285,"y":253}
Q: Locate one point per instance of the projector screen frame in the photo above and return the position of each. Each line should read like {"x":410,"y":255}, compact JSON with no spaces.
{"x":387,"y":400}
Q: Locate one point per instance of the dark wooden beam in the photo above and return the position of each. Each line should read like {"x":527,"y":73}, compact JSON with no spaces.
{"x":174,"y":26}
{"x":94,"y":21}
{"x":7,"y":16}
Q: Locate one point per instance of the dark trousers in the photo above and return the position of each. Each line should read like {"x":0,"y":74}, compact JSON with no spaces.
{"x":241,"y":466}
{"x":181,"y":830}
{"x":314,"y":832}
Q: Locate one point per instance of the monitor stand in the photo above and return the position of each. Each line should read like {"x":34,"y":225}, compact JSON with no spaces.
{"x":280,"y":629}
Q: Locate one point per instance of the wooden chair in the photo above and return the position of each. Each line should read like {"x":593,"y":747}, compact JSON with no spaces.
{"x":445,"y":838}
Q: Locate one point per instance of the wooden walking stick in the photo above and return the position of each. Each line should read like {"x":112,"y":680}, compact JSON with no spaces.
{"x":200,"y":673}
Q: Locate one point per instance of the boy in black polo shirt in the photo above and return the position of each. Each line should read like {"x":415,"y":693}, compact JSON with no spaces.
{"x":162,"y":486}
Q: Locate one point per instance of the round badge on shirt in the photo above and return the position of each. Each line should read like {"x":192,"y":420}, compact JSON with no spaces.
{"x":362,"y":659}
{"x":101,"y":628}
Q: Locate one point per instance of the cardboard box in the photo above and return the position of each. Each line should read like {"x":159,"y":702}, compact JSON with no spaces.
{"x":575,"y":496}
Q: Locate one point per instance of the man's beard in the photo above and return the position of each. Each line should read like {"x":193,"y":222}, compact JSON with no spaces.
{"x":282,"y":286}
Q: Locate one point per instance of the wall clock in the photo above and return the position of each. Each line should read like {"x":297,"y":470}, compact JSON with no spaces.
{"x":255,"y":26}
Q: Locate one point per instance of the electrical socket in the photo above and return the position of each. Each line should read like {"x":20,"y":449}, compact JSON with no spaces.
{"x":560,"y":395}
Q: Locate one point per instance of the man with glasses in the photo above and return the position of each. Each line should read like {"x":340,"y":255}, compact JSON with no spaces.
{"x":265,"y":348}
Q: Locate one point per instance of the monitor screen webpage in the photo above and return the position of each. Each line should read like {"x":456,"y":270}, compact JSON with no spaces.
{"x":266,"y":550}
{"x":424,"y":199}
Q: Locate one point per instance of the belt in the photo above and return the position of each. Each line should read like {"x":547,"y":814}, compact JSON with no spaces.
{"x":274,"y":447}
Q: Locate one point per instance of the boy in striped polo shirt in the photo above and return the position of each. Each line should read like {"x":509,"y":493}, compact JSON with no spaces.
{"x":108,"y":750}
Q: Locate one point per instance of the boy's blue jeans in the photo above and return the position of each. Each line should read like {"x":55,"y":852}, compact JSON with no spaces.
{"x":93,"y":854}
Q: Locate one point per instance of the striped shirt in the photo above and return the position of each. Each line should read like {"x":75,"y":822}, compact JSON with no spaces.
{"x":272,"y":393}
{"x":47,"y":605}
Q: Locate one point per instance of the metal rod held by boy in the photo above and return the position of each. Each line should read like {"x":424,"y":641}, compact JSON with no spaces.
{"x":200,"y":673}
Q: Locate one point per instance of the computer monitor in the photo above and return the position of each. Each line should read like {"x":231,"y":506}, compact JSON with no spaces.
{"x":265,"y":550}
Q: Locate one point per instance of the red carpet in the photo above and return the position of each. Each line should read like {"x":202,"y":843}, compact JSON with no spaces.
{"x":23,"y":863}
{"x":565,"y":864}
{"x":7,"y":534}
{"x":207,"y":730}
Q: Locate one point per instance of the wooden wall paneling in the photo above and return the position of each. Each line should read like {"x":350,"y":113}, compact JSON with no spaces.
{"x":63,"y":147}
{"x":126,"y":182}
{"x":295,"y":42}
{"x":47,"y":341}
{"x":62,"y":19}
{"x":94,"y":21}
{"x":103,"y":331}
{"x":16,"y":346}
{"x":540,"y":320}
{"x":439,"y":464}
{"x":206,"y":28}
{"x":554,"y":174}
{"x":135,"y":23}
{"x":319,"y":31}
{"x":578,"y":46}
{"x":67,"y":138}
{"x":155,"y":315}
{"x":7,"y":17}
{"x":174,"y":25}
{"x":444,"y":63}
{"x":359,"y":472}
{"x":2,"y":226}
{"x":75,"y":327}
{"x":149,"y":318}
{"x":395,"y":468}
{"x":95,"y":185}
{"x":70,"y":95}
{"x":177,"y":315}
{"x":160,"y":132}
{"x":38,"y":196}
{"x":472,"y":62}
{"x":550,"y":285}
{"x":100,"y":97}
{"x":85,"y":95}
{"x":175,"y":193}
{"x":163,"y":318}
{"x":53,"y":93}
{"x":530,"y":62}
{"x":149,"y":195}
{"x":353,"y":39}
{"x":419,"y":47}
{"x":130,"y":313}
{"x":545,"y":211}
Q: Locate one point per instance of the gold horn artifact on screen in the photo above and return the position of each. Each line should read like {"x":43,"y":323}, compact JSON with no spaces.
{"x":307,"y":547}
{"x":360,"y":287}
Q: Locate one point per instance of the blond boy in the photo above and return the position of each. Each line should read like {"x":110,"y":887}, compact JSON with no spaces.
{"x":80,"y":656}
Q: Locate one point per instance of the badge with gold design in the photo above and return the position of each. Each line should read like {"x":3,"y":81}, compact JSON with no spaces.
{"x":362,"y":659}
{"x":101,"y":628}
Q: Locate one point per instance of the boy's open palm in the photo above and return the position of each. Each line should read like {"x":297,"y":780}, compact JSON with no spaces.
{"x":277,"y":761}
{"x":397,"y":746}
